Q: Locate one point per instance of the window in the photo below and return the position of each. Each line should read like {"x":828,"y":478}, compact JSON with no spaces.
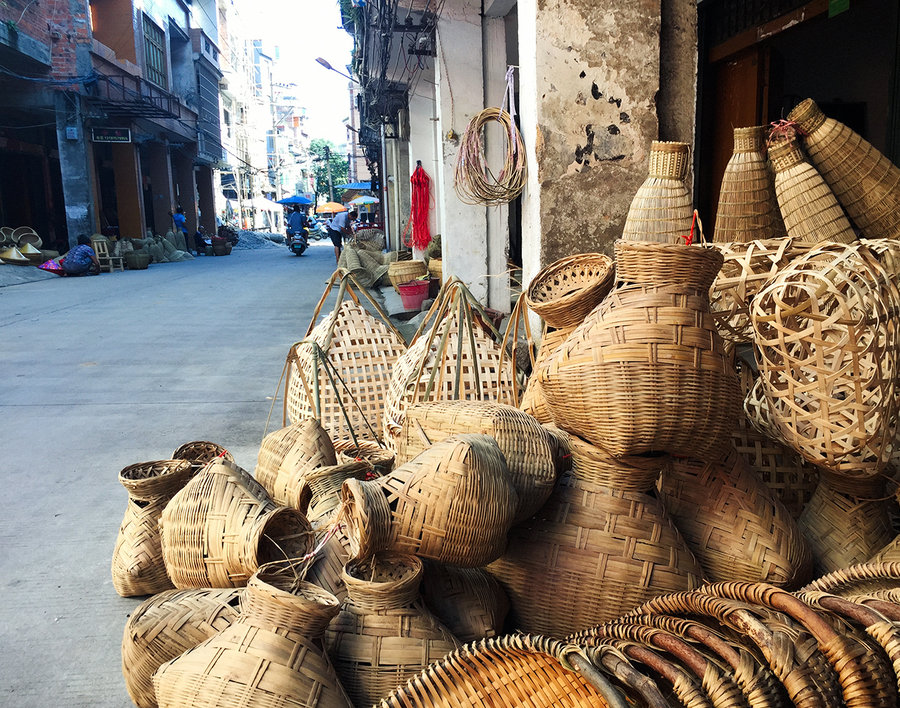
{"x":155,"y":54}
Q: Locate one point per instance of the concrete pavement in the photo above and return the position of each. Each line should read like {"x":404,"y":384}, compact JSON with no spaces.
{"x":101,"y":372}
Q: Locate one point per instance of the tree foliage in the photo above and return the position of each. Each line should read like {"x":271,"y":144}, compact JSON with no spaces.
{"x":339,"y":167}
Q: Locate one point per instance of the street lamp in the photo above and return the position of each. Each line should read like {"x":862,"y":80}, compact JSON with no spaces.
{"x":328,"y":66}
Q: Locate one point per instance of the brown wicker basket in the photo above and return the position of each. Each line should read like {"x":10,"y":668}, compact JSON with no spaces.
{"x":565,"y":292}
{"x":167,"y":625}
{"x":199,"y":452}
{"x":468,"y":601}
{"x":403,"y":271}
{"x":380,"y":458}
{"x":137,"y":260}
{"x":286,"y":456}
{"x":321,"y":496}
{"x":534,"y":402}
{"x":137,"y":562}
{"x":662,"y":210}
{"x":436,"y":268}
{"x":858,"y":579}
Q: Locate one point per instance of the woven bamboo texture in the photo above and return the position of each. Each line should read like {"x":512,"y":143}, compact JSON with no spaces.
{"x":858,"y":579}
{"x":733,"y":524}
{"x":288,"y":455}
{"x":565,"y":291}
{"x":809,"y":208}
{"x":365,"y":266}
{"x":453,"y":503}
{"x":864,"y":181}
{"x":167,"y":625}
{"x":436,"y":268}
{"x":370,"y":239}
{"x":271,"y":655}
{"x":530,"y":453}
{"x":199,"y":452}
{"x":384,"y":634}
{"x":404,"y":271}
{"x":661,"y":209}
{"x":222,"y":526}
{"x":381,"y":459}
{"x":747,"y":210}
{"x":468,"y":601}
{"x":322,"y":495}
{"x":647,"y":370}
{"x":137,"y":561}
{"x":534,"y":402}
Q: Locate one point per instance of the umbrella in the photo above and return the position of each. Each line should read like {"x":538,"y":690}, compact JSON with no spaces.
{"x":296,"y":199}
{"x":330,"y":208}
{"x":364,"y":200}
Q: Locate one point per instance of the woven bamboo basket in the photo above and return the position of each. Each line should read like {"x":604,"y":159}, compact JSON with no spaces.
{"x":662,"y":210}
{"x":199,"y":452}
{"x":809,"y":208}
{"x":600,"y":546}
{"x":376,"y":270}
{"x":530,"y":452}
{"x":647,"y":371}
{"x":370,"y":239}
{"x":733,"y":524}
{"x":468,"y":601}
{"x":222,"y":526}
{"x":137,"y":260}
{"x":137,"y":562}
{"x":534,"y":402}
{"x":365,"y":267}
{"x":889,"y":554}
{"x":322,"y":494}
{"x":384,"y":634}
{"x":436,"y":268}
{"x":288,"y":455}
{"x":747,"y":209}
{"x":453,"y":503}
{"x":380,"y":458}
{"x":167,"y":625}
{"x":404,"y":271}
{"x":860,"y":579}
{"x":864,"y":181}
{"x":271,"y":655}
{"x":565,"y":292}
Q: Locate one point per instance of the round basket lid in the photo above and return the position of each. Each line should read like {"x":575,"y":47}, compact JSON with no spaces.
{"x":30,"y":238}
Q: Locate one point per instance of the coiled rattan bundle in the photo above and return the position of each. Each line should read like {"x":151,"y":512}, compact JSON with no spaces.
{"x":474,"y":181}
{"x":468,"y":601}
{"x":287,"y":455}
{"x":661,"y":209}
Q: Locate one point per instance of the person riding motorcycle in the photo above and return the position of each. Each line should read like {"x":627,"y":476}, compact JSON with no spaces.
{"x":297,"y":231}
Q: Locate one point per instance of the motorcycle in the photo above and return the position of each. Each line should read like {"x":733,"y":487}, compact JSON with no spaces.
{"x":298,"y":243}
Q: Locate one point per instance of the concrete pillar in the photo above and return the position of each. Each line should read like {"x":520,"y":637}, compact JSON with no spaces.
{"x":206,"y":198}
{"x":185,"y":187}
{"x":159,"y":169}
{"x":75,"y":166}
{"x":129,"y":195}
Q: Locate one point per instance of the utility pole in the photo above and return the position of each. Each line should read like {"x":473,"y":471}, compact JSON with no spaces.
{"x":328,"y":167}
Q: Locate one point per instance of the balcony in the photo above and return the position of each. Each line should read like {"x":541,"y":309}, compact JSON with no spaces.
{"x":133,"y":97}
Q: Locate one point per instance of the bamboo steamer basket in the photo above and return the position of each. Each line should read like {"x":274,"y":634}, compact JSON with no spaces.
{"x":222,"y":526}
{"x":530,"y":453}
{"x":137,"y":562}
{"x":468,"y":601}
{"x":384,"y":634}
{"x":747,"y":210}
{"x":733,"y":524}
{"x":453,"y":503}
{"x":534,"y":402}
{"x":200,"y":452}
{"x":565,"y":292}
{"x":401,"y":272}
{"x":647,"y":371}
{"x":809,"y":208}
{"x":272,"y":654}
{"x":288,"y":455}
{"x":864,"y":181}
{"x":167,"y":625}
{"x":661,"y":209}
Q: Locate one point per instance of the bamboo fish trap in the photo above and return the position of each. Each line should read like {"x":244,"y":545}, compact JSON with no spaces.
{"x":661,"y":209}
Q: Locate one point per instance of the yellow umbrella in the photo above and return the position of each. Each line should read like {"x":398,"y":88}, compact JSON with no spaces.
{"x":330,"y":208}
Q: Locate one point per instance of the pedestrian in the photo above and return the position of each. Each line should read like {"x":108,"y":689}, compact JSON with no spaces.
{"x":200,"y":240}
{"x":180,"y":221}
{"x":81,"y":260}
{"x":338,"y":227}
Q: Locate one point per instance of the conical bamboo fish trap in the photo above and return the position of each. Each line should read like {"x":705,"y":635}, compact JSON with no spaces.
{"x":661,"y":209}
{"x":137,"y":562}
{"x":533,"y":402}
{"x":864,"y":181}
{"x":747,"y":208}
{"x":199,"y":452}
{"x":222,"y":526}
{"x":167,"y":625}
{"x":565,"y":292}
{"x":339,"y":374}
{"x":468,"y":601}
{"x":732,"y":523}
{"x":384,"y":634}
{"x":809,"y":208}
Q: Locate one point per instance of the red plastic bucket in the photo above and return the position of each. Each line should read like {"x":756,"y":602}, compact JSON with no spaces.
{"x":413,"y":293}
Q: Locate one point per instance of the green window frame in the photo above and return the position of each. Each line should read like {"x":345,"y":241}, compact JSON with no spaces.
{"x":155,"y":54}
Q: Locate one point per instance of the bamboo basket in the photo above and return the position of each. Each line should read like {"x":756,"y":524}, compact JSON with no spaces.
{"x":468,"y":601}
{"x":889,"y":554}
{"x":733,"y":524}
{"x":167,"y":625}
{"x":646,"y":371}
{"x":863,"y":578}
{"x":530,"y":452}
{"x":288,"y":455}
{"x":534,"y":402}
{"x":222,"y":526}
{"x":137,"y":561}
{"x":453,"y":503}
{"x":271,"y":655}
{"x":384,"y":635}
{"x":808,"y":206}
{"x":662,"y":210}
{"x":565,"y":292}
{"x":370,"y":239}
{"x":322,"y":494}
{"x":864,"y":181}
{"x":436,"y":268}
{"x":403,"y":271}
{"x":380,"y":458}
{"x":747,"y":210}
{"x":199,"y":452}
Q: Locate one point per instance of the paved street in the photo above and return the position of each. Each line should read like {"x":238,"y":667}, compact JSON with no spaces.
{"x":99,"y":373}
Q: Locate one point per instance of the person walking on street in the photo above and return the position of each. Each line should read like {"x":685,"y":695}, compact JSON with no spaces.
{"x":339,"y":226}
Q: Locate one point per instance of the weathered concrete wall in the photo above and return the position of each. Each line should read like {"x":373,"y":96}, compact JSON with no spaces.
{"x":677,"y":99}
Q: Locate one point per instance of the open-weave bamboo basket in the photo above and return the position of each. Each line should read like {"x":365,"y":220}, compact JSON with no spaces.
{"x":733,"y":524}
{"x":222,"y":526}
{"x":366,"y":267}
{"x":468,"y":601}
{"x":384,"y":634}
{"x":647,"y":370}
{"x":531,"y":454}
{"x":167,"y":625}
{"x":199,"y":452}
{"x":271,"y":655}
{"x":864,"y":181}
{"x":380,"y":458}
{"x":747,"y":208}
{"x":370,"y":239}
{"x":404,"y":271}
{"x":322,"y":494}
{"x":565,"y":291}
{"x":137,"y":561}
{"x":809,"y":208}
{"x":533,"y":402}
{"x":453,"y":503}
{"x":661,"y":209}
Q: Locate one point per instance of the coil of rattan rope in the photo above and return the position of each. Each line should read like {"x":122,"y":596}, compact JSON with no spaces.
{"x":474,"y":181}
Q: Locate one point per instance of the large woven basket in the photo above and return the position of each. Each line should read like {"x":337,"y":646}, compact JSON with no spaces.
{"x":647,"y":371}
{"x":661,"y":209}
{"x":167,"y":625}
{"x":564,"y":292}
{"x":384,"y":634}
{"x":534,"y":402}
{"x":403,"y":271}
{"x":468,"y":601}
{"x":222,"y":526}
{"x":864,"y":181}
{"x":199,"y":452}
{"x":286,"y":456}
{"x":453,"y":503}
{"x":137,"y":562}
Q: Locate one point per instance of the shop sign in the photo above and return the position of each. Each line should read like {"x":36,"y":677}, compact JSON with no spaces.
{"x":111,"y":135}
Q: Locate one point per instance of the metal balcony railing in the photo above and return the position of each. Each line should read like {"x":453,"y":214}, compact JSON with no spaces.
{"x":132,"y":96}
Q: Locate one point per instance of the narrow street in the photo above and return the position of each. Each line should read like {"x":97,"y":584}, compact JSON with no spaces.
{"x":100,"y":373}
